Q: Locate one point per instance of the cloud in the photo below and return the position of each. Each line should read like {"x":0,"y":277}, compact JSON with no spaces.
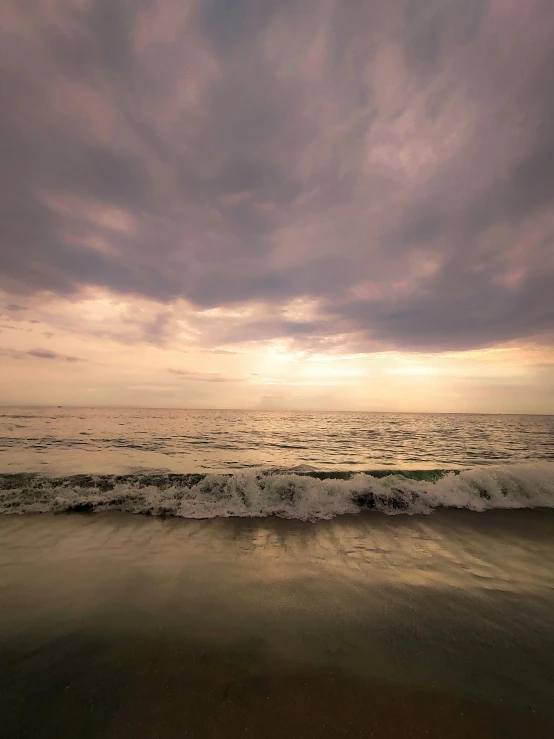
{"x":203,"y":376}
{"x":390,"y":162}
{"x":47,"y":354}
{"x":39,"y":354}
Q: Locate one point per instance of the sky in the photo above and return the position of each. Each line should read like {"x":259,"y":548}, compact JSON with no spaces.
{"x":278,"y":205}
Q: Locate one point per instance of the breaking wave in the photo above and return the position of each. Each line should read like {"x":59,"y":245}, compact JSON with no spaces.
{"x":299,"y":495}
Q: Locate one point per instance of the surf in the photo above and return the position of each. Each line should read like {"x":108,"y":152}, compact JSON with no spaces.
{"x":303,"y":495}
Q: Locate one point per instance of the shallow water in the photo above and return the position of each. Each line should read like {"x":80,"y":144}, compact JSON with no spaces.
{"x":116,"y":626}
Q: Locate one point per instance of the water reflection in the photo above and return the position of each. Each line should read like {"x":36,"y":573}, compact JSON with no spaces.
{"x":458,"y":603}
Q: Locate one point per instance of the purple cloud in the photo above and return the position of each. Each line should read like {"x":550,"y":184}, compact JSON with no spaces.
{"x":46,"y":354}
{"x":391,"y":162}
{"x":39,"y":354}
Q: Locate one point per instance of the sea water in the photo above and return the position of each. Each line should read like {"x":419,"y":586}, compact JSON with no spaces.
{"x":250,"y":601}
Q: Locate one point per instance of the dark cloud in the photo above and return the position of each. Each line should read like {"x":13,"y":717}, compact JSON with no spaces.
{"x":393,"y":162}
{"x":432,"y":27}
{"x":229,"y":24}
{"x":47,"y":354}
{"x":39,"y":354}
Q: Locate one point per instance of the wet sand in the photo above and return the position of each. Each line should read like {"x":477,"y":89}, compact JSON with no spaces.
{"x":116,"y":625}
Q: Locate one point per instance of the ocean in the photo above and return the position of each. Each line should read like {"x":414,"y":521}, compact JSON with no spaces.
{"x":171,"y":573}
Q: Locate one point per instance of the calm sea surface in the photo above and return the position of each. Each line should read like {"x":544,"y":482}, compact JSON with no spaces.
{"x":65,"y":441}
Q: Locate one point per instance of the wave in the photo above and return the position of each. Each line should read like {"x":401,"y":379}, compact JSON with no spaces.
{"x":307,"y":495}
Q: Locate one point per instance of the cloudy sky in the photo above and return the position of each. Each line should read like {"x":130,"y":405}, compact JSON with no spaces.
{"x":293,"y":204}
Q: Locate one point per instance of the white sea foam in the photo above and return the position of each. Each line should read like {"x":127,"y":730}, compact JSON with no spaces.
{"x":299,"y":496}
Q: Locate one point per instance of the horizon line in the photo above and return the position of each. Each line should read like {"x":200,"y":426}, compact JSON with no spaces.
{"x":279,"y":410}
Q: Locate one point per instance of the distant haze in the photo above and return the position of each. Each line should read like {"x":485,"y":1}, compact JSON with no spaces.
{"x":299,"y":204}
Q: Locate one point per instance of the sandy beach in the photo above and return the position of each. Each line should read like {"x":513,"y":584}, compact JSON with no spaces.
{"x":121,"y":626}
